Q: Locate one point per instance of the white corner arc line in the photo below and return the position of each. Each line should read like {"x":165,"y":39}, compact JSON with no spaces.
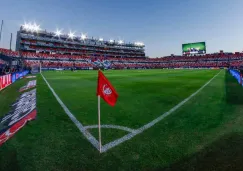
{"x":112,"y":127}
{"x":89,"y":137}
{"x":152,"y":123}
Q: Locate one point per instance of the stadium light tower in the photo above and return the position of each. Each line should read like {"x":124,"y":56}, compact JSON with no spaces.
{"x":58,"y":33}
{"x":111,"y":41}
{"x":71,"y":35}
{"x":101,"y":39}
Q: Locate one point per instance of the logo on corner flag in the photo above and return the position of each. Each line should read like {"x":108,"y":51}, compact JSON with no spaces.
{"x":106,"y":89}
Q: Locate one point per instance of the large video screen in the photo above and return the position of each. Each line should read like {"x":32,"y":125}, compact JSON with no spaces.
{"x":194,"y":48}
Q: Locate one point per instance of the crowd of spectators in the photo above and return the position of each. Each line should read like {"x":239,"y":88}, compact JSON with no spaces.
{"x":5,"y":68}
{"x":2,"y":66}
{"x":57,"y":64}
{"x":2,"y":62}
{"x":64,"y":60}
{"x":9,"y":53}
{"x":167,"y":62}
{"x":31,"y":55}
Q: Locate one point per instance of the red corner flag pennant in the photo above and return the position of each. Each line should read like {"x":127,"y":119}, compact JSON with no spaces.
{"x":105,"y":90}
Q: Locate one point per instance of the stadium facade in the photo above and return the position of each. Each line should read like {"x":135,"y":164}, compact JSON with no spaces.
{"x":31,"y":39}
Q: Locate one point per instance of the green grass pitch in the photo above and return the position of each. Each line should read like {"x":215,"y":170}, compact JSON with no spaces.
{"x":206,"y":133}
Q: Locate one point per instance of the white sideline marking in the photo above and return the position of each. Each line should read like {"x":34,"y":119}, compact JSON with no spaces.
{"x":152,"y":123}
{"x":111,"y":126}
{"x":89,"y":137}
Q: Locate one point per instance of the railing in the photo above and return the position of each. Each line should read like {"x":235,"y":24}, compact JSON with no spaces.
{"x":5,"y":81}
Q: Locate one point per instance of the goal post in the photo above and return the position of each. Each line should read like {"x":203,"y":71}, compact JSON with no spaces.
{"x":35,"y":68}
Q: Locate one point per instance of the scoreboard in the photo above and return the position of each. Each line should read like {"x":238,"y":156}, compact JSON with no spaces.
{"x":194,"y":48}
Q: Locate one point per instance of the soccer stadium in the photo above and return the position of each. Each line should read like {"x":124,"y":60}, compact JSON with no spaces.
{"x":77,"y":102}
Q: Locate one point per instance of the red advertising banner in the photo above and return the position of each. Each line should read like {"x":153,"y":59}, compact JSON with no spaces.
{"x":22,"y":111}
{"x":1,"y":86}
{"x":5,"y":81}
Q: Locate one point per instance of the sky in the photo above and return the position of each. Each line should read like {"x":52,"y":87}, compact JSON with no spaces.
{"x":162,"y":25}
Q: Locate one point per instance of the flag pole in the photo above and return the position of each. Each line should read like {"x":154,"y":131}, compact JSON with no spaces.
{"x":99,"y":123}
{"x":40,"y":66}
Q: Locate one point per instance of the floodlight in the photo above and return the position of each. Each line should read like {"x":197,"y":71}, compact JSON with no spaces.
{"x":138,"y":43}
{"x":101,"y":39}
{"x":111,"y":41}
{"x":58,"y":33}
{"x":26,"y":26}
{"x":31,"y":27}
{"x":83,"y":37}
{"x":120,"y":42}
{"x":71,"y":35}
{"x":35,"y":27}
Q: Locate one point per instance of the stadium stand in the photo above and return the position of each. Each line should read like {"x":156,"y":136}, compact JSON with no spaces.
{"x":55,"y":50}
{"x":6,"y":58}
{"x":9,"y":52}
{"x":2,"y":66}
{"x":67,"y":61}
{"x":79,"y":62}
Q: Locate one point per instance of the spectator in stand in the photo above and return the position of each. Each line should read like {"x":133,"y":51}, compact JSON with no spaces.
{"x":7,"y":69}
{"x":120,"y":62}
{"x":1,"y":71}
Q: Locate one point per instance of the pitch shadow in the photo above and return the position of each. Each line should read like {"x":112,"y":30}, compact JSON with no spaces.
{"x":225,"y":154}
{"x":234,"y":91}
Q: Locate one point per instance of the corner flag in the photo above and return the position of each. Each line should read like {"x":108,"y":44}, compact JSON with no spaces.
{"x":105,"y":90}
{"x":108,"y":93}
